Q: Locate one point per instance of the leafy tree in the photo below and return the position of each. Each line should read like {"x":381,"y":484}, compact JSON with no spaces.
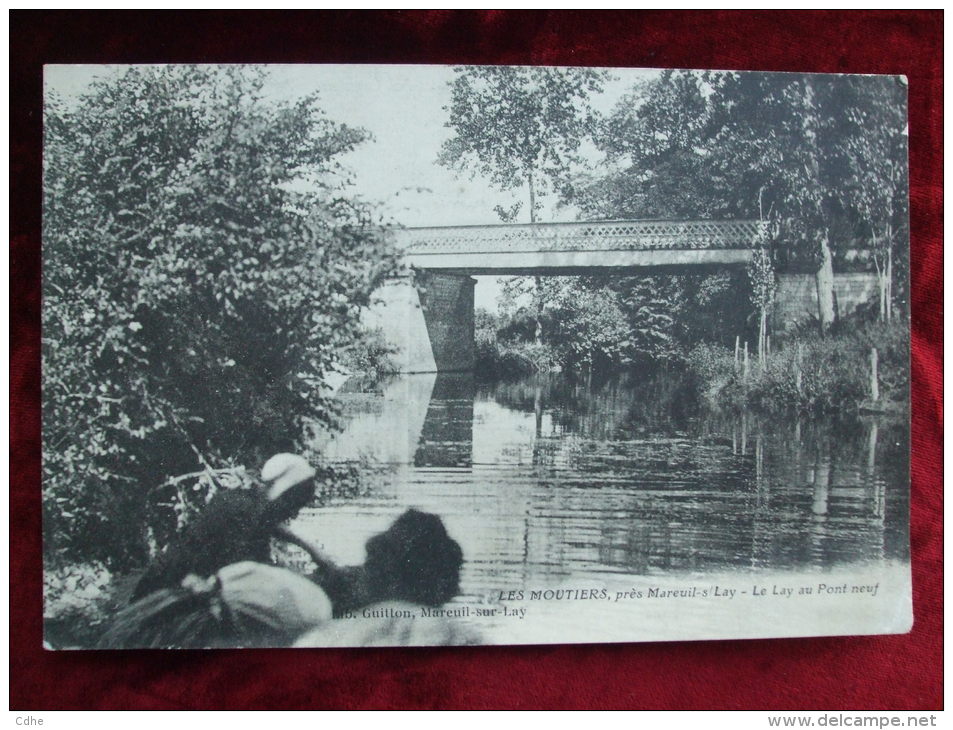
{"x":202,"y":268}
{"x":799,"y":151}
{"x":655,"y":160}
{"x":823,"y":150}
{"x":771,"y":130}
{"x":656,"y":166}
{"x":520,"y":126}
{"x":588,"y":328}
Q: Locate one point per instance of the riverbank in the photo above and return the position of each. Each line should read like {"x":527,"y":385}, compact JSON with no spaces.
{"x":810,"y":374}
{"x":805,"y":373}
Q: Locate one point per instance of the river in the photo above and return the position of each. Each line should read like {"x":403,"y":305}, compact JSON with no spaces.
{"x":549,"y":484}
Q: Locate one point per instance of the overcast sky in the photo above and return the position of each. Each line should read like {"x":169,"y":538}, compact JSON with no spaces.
{"x":402,"y":107}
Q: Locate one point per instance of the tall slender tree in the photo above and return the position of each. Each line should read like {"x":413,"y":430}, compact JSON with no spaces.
{"x":876,"y":158}
{"x":520,"y":127}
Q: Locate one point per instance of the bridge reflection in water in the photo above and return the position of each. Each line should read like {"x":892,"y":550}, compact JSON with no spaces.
{"x":542,"y":481}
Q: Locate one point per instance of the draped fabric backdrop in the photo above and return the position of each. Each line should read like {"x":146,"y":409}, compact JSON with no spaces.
{"x":879,"y":672}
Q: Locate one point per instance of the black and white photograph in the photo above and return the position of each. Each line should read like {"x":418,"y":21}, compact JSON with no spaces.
{"x":367,"y":355}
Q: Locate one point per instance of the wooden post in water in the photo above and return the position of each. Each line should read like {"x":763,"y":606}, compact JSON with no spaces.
{"x":876,"y":485}
{"x":758,"y":460}
{"x":798,"y":461}
{"x":744,"y":433}
{"x":872,"y":449}
{"x":737,"y":348}
{"x":744,"y":370}
{"x":822,"y":483}
{"x":538,"y":409}
{"x":874,"y":385}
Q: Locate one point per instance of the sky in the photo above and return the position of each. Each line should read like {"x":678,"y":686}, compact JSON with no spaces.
{"x":402,"y":108}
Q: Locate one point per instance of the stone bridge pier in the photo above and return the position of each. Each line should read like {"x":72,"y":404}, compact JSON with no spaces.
{"x":428,"y":321}
{"x":795,"y":300}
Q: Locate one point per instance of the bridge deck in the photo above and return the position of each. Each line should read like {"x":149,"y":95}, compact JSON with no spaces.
{"x":542,"y":263}
{"x":579,"y":247}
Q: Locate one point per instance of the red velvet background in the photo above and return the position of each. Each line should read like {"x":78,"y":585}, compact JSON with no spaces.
{"x":888,"y":672}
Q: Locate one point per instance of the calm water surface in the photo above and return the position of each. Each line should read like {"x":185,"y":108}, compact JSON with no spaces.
{"x":543,"y":481}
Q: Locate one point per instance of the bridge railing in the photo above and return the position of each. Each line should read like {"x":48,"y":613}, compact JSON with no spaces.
{"x":586,"y":236}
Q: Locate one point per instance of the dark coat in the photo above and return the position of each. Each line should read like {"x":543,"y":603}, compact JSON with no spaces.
{"x":232,"y":528}
{"x":235,"y":526}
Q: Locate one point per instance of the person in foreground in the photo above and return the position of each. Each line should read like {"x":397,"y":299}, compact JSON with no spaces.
{"x":236,"y":526}
{"x":414,"y":560}
{"x":413,"y":563}
{"x":244,"y":604}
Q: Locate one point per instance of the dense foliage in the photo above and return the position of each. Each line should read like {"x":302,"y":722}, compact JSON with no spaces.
{"x":812,"y":374}
{"x":595,"y":323}
{"x":203,"y":266}
{"x":820,"y":158}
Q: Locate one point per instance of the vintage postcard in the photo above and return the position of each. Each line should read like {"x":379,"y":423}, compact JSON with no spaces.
{"x":420,"y":355}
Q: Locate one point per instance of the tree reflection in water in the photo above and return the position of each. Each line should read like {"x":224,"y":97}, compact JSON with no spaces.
{"x":544,"y":478}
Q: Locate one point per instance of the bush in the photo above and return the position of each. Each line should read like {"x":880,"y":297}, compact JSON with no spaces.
{"x":193,"y":298}
{"x":371,"y":356}
{"x":495,"y":359}
{"x":76,"y":603}
{"x":713,"y":370}
{"x":588,"y":329}
{"x":834,"y":371}
{"x":504,"y":348}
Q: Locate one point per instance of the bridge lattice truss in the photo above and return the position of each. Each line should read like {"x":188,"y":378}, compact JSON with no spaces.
{"x":601,"y":236}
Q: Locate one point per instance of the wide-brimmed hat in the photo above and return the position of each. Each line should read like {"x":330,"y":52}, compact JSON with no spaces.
{"x":283,"y":471}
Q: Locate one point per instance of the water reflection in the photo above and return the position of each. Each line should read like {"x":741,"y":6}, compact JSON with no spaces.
{"x":544,"y":479}
{"x":446,"y":438}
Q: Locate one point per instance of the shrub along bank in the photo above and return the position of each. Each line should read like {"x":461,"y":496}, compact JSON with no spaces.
{"x":810,"y":373}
